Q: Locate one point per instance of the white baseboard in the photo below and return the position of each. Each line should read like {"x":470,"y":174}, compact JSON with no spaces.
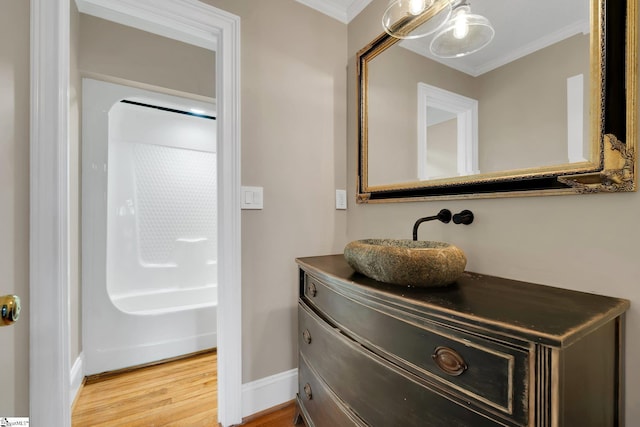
{"x":77,"y":375}
{"x":268,"y":392}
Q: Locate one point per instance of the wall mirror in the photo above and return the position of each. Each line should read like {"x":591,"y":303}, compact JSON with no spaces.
{"x":548,"y":107}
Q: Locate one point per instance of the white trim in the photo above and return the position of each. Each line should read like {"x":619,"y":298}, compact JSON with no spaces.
{"x":229,"y":236}
{"x":49,"y":354}
{"x":268,"y":392}
{"x":49,"y":229}
{"x":162,"y":20}
{"x":419,"y":46}
{"x":145,"y":86}
{"x":575,"y":119}
{"x":77,"y":376}
{"x":578,"y":27}
{"x":466,"y":110}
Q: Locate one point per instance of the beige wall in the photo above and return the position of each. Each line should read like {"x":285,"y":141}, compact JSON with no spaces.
{"x":522,"y":110}
{"x":293,"y":145}
{"x":393,"y":103}
{"x":14,"y":197}
{"x":589,"y":243}
{"x":442,"y":151}
{"x":123,"y":52}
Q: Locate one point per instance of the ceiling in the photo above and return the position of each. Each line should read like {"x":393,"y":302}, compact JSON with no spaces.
{"x":342,"y":10}
{"x":521,"y":26}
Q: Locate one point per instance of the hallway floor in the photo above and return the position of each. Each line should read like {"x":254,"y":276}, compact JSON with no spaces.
{"x":179,"y":393}
{"x":176,"y":393}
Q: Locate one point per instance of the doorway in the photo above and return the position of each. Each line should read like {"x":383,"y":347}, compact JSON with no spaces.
{"x":190,"y":21}
{"x":447,"y":133}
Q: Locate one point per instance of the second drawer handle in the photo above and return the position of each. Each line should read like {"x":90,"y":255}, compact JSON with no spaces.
{"x":449,"y":361}
{"x":306,"y":335}
{"x":307,"y":391}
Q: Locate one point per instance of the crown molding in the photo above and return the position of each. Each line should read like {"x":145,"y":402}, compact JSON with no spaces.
{"x":421,"y":48}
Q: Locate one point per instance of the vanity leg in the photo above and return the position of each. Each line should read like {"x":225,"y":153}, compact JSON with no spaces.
{"x":298,"y":418}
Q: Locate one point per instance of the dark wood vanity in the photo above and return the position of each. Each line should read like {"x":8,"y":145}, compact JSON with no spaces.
{"x":485,"y":351}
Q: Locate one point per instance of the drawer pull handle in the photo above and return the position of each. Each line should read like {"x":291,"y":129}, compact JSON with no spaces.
{"x":307,"y":391}
{"x":306,"y":335}
{"x":449,"y":361}
{"x":311,"y":289}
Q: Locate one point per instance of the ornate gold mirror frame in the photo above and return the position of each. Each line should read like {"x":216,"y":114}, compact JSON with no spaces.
{"x":613,"y":126}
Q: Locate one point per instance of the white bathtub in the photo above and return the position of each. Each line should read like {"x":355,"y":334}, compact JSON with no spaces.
{"x":167,"y":301}
{"x":149,"y":285}
{"x":159,"y":325}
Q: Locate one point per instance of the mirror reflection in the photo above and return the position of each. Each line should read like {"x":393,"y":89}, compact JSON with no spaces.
{"x":521,"y":102}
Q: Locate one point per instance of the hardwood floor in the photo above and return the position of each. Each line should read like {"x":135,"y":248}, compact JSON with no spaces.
{"x":176,"y":393}
{"x":179,"y":393}
{"x":281,"y":416}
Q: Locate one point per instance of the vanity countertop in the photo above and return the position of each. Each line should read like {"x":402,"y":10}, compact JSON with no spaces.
{"x":544,"y":314}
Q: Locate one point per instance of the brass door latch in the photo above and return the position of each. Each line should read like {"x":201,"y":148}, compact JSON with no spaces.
{"x":9,"y":309}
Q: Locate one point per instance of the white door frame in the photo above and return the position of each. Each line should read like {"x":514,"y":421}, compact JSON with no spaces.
{"x":189,"y":21}
{"x":466,"y":111}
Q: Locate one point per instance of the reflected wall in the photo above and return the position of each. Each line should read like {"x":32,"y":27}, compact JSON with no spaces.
{"x":523,"y":110}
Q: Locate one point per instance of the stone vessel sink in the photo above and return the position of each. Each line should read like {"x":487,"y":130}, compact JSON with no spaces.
{"x":406,"y":262}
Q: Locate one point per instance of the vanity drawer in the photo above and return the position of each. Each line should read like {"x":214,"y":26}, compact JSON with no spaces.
{"x":381,"y":393}
{"x":491,"y":374}
{"x":319,"y":404}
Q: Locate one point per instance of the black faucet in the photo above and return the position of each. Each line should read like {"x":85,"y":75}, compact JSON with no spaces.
{"x":444,"y":216}
{"x":464,"y":217}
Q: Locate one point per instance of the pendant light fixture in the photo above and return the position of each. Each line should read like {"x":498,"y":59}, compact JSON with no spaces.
{"x":410,"y":19}
{"x":463,"y":34}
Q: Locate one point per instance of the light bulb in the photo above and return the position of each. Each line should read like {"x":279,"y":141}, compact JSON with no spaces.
{"x":402,"y":19}
{"x":461,"y":26}
{"x":416,"y":7}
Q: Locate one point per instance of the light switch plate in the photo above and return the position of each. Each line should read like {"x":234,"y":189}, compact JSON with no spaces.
{"x":251,"y":198}
{"x":341,"y":199}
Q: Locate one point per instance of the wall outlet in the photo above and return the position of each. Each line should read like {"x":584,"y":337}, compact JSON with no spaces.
{"x":341,"y":199}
